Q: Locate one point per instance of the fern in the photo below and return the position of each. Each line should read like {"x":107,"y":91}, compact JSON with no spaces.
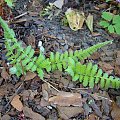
{"x":16,"y":54}
{"x":90,"y":75}
{"x":23,"y":60}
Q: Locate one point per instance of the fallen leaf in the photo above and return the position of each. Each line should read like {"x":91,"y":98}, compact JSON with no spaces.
{"x":68,"y":112}
{"x":16,"y":103}
{"x":89,"y":22}
{"x":96,"y":8}
{"x":59,"y":3}
{"x":5,"y":74}
{"x":115,"y":113}
{"x":44,"y":103}
{"x":95,"y":34}
{"x":106,"y":67}
{"x":117,"y":70}
{"x":95,"y":107}
{"x":87,"y":109}
{"x":57,"y":74}
{"x":31,"y":40}
{"x":4,"y":89}
{"x":92,"y":117}
{"x":95,"y":56}
{"x":45,"y":95}
{"x":30,"y":76}
{"x":33,"y":115}
{"x":106,"y":106}
{"x":103,"y":5}
{"x":67,"y":99}
{"x":29,"y":94}
{"x":75,"y":19}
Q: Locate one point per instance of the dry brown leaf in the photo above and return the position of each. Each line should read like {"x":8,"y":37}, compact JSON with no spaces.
{"x":67,"y":112}
{"x":44,"y":103}
{"x":102,"y":6}
{"x":33,"y":115}
{"x":30,"y":75}
{"x":16,"y":103}
{"x":106,"y":67}
{"x":92,"y":117}
{"x":117,"y":70}
{"x":4,"y":89}
{"x":89,"y":22}
{"x":95,"y":34}
{"x":4,"y":74}
{"x":31,"y":40}
{"x":29,"y":94}
{"x":95,"y":56}
{"x":115,"y":113}
{"x":67,"y":99}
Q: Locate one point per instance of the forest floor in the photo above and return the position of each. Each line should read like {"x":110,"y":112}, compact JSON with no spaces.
{"x":58,"y":97}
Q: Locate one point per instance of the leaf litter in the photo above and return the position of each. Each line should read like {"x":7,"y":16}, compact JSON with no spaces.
{"x":67,"y":99}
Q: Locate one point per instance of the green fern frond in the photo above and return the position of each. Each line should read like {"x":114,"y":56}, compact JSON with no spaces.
{"x":16,"y":54}
{"x":89,"y":75}
{"x":23,"y":60}
{"x":83,"y":54}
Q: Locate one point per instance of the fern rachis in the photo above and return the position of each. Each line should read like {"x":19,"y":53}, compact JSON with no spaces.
{"x":24,"y":58}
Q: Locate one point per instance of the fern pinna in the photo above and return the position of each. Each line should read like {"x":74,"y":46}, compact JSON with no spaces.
{"x":23,"y":60}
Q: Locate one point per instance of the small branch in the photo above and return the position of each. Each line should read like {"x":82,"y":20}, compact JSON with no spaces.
{"x":51,"y":85}
{"x":21,"y":15}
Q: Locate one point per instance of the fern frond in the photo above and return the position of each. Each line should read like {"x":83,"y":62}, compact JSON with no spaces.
{"x":83,"y":54}
{"x":23,"y":60}
{"x":15,"y":52}
{"x":89,"y":75}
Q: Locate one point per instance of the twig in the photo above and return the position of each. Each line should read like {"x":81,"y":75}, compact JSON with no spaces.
{"x":21,"y":15}
{"x":51,"y":86}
